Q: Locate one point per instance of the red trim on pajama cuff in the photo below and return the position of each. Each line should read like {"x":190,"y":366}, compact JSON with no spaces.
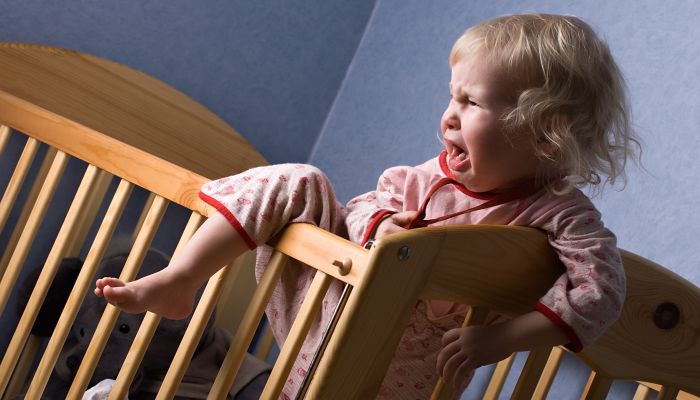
{"x":575,"y":344}
{"x":231,"y":219}
{"x":371,"y":227}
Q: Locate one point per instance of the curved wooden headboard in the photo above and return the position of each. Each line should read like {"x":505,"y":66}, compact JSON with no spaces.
{"x":108,"y":113}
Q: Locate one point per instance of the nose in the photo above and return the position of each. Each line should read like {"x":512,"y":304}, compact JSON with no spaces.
{"x":450,"y":121}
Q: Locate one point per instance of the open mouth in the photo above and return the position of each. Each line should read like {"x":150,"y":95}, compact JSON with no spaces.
{"x":458,"y":159}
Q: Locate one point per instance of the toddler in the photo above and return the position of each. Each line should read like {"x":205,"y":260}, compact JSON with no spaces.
{"x":537,"y":108}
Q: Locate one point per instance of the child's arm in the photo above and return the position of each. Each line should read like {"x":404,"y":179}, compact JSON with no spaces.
{"x":366,"y":212}
{"x":465,"y":349}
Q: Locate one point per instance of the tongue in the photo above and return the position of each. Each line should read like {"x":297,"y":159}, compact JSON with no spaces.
{"x":459,"y":162}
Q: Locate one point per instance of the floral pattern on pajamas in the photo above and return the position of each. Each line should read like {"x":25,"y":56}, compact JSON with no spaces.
{"x":584,"y":301}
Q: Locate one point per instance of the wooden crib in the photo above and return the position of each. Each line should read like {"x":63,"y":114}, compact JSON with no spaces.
{"x":128,"y":126}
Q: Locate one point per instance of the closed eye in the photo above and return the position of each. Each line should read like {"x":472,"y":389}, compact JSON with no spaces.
{"x":466,"y":101}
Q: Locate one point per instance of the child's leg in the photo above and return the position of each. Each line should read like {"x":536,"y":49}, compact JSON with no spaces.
{"x":256,"y":205}
{"x":170,"y":292}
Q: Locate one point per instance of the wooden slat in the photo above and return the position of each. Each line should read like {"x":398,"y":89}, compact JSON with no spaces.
{"x":550,"y":371}
{"x":297,"y":335}
{"x":15,"y":183}
{"x":109,"y":317}
{"x":144,"y":212}
{"x":264,"y":346}
{"x":28,"y":206}
{"x":24,"y":367}
{"x":246,"y":330}
{"x":46,"y":276}
{"x":327,"y":334}
{"x":667,"y":393}
{"x":80,"y":289}
{"x":148,"y":327}
{"x":5,"y":132}
{"x":25,"y":240}
{"x":681,"y":394}
{"x":531,"y":372}
{"x":687,"y":396}
{"x":237,"y":293}
{"x":475,"y":316}
{"x":192,"y":336}
{"x":356,"y":360}
{"x":597,"y":387}
{"x":89,"y":214}
{"x":498,"y":378}
{"x":642,"y":392}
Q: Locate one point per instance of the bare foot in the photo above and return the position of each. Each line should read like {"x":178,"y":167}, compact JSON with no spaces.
{"x":158,"y":293}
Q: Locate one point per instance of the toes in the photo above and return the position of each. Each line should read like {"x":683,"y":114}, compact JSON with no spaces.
{"x":109,"y":281}
{"x":115,"y":294}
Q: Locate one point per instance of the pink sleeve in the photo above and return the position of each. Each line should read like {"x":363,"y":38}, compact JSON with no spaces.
{"x":367,"y":210}
{"x":588,"y":297}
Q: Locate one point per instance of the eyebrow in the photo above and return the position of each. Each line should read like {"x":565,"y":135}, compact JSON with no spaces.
{"x":463,"y":95}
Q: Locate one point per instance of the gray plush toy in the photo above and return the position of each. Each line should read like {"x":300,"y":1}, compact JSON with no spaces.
{"x":209,"y":354}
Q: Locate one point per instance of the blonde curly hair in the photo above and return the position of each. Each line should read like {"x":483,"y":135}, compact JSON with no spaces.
{"x":571,"y":96}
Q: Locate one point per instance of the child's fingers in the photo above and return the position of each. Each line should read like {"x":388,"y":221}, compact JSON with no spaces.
{"x":449,"y":373}
{"x":402,"y":219}
{"x":445,"y":355}
{"x":450,"y":336}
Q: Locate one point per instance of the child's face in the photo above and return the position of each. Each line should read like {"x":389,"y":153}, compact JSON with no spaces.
{"x":479,"y":153}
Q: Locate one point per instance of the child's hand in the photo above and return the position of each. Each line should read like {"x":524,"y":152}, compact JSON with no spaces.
{"x":466,"y":349}
{"x":394,"y":223}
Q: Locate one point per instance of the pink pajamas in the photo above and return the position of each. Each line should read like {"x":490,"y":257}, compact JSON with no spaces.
{"x":583,"y":302}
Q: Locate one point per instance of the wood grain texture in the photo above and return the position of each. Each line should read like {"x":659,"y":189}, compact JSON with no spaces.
{"x":119,"y":120}
{"x":505,"y":270}
{"x":635,"y":348}
{"x":375,"y":317}
{"x":125,"y":104}
{"x":319,"y":248}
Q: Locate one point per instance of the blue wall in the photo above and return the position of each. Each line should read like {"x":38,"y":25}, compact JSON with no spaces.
{"x":270,"y":68}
